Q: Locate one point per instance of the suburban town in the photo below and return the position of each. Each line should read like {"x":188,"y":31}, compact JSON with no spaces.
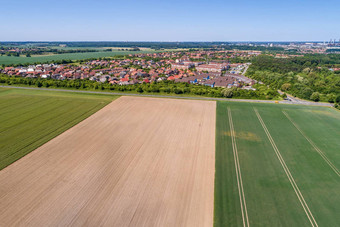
{"x":209,"y":68}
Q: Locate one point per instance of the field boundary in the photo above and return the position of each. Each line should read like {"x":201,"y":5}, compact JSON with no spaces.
{"x":313,"y":145}
{"x":238,"y":172}
{"x":287,"y":171}
{"x":170,"y":96}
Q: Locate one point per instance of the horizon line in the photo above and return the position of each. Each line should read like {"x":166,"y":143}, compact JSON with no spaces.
{"x":170,"y":41}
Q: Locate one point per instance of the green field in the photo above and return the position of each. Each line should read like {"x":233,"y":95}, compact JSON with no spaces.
{"x":287,"y":175}
{"x":6,"y":60}
{"x":276,"y":164}
{"x":30,"y":118}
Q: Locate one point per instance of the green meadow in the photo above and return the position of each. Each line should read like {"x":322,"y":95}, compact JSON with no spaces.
{"x":28,"y":119}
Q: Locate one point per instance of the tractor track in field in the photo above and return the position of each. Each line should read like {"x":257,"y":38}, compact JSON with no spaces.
{"x":287,"y":171}
{"x":333,"y":167}
{"x":238,"y":173}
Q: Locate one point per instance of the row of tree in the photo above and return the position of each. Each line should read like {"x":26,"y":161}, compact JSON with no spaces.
{"x":163,"y":87}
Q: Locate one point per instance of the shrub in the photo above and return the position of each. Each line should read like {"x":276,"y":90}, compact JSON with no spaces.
{"x":228,"y":92}
{"x":337,"y":99}
{"x":315,"y":96}
{"x":140,"y":90}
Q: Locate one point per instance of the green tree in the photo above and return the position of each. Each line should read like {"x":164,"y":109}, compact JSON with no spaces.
{"x":337,"y":99}
{"x":228,"y":92}
{"x":38,"y":84}
{"x":140,"y":90}
{"x":45,"y":84}
{"x":331,"y":98}
{"x":315,"y":96}
{"x":286,"y":86}
{"x":306,"y":93}
{"x":178,"y":91}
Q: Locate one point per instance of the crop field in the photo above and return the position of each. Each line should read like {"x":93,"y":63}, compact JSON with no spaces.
{"x":136,"y":162}
{"x":6,"y":60}
{"x":29,"y":119}
{"x":277,"y":165}
{"x":165,"y":162}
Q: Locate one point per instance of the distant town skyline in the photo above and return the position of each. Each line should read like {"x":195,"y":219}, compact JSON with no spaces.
{"x":150,"y":20}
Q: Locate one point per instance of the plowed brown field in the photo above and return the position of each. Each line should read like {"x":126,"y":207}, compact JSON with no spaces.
{"x":136,"y":162}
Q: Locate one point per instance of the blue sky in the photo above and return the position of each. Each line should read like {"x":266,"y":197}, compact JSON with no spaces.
{"x":151,"y":20}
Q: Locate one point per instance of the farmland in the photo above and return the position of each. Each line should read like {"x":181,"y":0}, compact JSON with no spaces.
{"x":136,"y":162}
{"x":277,"y":165}
{"x":31,"y":118}
{"x":152,"y":162}
{"x":6,"y":60}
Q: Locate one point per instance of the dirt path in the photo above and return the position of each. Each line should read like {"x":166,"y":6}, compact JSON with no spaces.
{"x":136,"y":162}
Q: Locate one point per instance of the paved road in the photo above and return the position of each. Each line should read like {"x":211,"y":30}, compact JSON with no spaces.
{"x":294,"y":100}
{"x":177,"y":97}
{"x":245,"y":70}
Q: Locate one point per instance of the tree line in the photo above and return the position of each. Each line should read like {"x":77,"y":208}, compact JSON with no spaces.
{"x":162,"y":87}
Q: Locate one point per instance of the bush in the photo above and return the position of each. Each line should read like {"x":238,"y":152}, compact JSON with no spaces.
{"x":315,"y":97}
{"x":272,"y":93}
{"x":306,"y":93}
{"x":337,"y":99}
{"x":228,"y":92}
{"x":286,"y":86}
{"x":38,"y":84}
{"x":331,"y":98}
{"x":178,"y":91}
{"x":140,"y":90}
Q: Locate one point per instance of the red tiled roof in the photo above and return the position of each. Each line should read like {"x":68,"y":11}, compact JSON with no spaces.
{"x":124,"y":79}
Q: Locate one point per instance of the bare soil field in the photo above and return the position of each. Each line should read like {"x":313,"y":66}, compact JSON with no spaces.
{"x":136,"y":162}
